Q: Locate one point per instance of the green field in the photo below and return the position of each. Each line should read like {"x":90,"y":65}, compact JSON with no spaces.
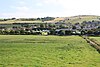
{"x":96,"y":38}
{"x":46,"y":51}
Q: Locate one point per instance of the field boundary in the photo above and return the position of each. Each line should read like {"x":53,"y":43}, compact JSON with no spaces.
{"x":92,"y":43}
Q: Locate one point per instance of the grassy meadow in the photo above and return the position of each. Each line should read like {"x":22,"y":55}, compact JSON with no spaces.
{"x":16,"y":21}
{"x":80,"y":19}
{"x":46,"y":51}
{"x":96,"y":38}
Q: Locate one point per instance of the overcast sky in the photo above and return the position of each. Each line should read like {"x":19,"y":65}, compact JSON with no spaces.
{"x":44,"y":8}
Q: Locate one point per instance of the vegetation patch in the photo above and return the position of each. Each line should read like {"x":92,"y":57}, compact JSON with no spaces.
{"x":46,"y":51}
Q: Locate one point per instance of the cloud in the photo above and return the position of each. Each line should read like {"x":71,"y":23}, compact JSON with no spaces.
{"x":22,"y":2}
{"x":39,"y":4}
{"x":50,"y":1}
{"x":19,"y":15}
{"x":41,"y":8}
{"x":20,"y":8}
{"x":76,"y":7}
{"x":19,"y":11}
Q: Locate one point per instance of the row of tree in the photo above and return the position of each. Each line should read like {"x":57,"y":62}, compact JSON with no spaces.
{"x":52,"y":32}
{"x":30,"y":19}
{"x":83,"y":32}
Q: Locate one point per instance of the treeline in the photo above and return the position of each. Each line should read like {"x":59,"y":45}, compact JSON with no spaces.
{"x":30,"y":19}
{"x":39,"y":31}
{"x":7,"y":19}
{"x":16,"y":32}
{"x":93,"y":32}
{"x":34,"y":19}
{"x":56,"y":28}
{"x":27,"y":32}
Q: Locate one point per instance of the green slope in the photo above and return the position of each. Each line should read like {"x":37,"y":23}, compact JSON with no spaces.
{"x":82,"y":18}
{"x":72,"y":19}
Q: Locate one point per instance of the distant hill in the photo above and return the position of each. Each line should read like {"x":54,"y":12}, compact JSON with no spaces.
{"x":81,"y":18}
{"x":75,"y":19}
{"x":72,"y":19}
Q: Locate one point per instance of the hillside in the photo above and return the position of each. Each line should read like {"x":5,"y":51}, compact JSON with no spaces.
{"x":82,"y":18}
{"x":15,"y":21}
{"x":72,"y":19}
{"x":75,"y":19}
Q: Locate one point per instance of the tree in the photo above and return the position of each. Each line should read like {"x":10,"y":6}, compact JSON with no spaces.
{"x":74,"y":27}
{"x":17,"y":32}
{"x":62,"y":26}
{"x":51,"y":25}
{"x":12,"y":32}
{"x":22,"y":32}
{"x":38,"y":18}
{"x":13,"y":18}
{"x":52,"y":31}
{"x":61,"y":32}
{"x":68,"y":32}
{"x":42,"y":25}
{"x":1,"y":32}
{"x":90,"y":32}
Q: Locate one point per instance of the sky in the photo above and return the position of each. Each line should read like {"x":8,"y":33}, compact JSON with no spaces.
{"x":51,"y":8}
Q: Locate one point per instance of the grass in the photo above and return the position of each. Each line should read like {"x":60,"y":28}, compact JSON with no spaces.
{"x":16,"y":21}
{"x":97,"y":39}
{"x":76,"y":19}
{"x":46,"y":51}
